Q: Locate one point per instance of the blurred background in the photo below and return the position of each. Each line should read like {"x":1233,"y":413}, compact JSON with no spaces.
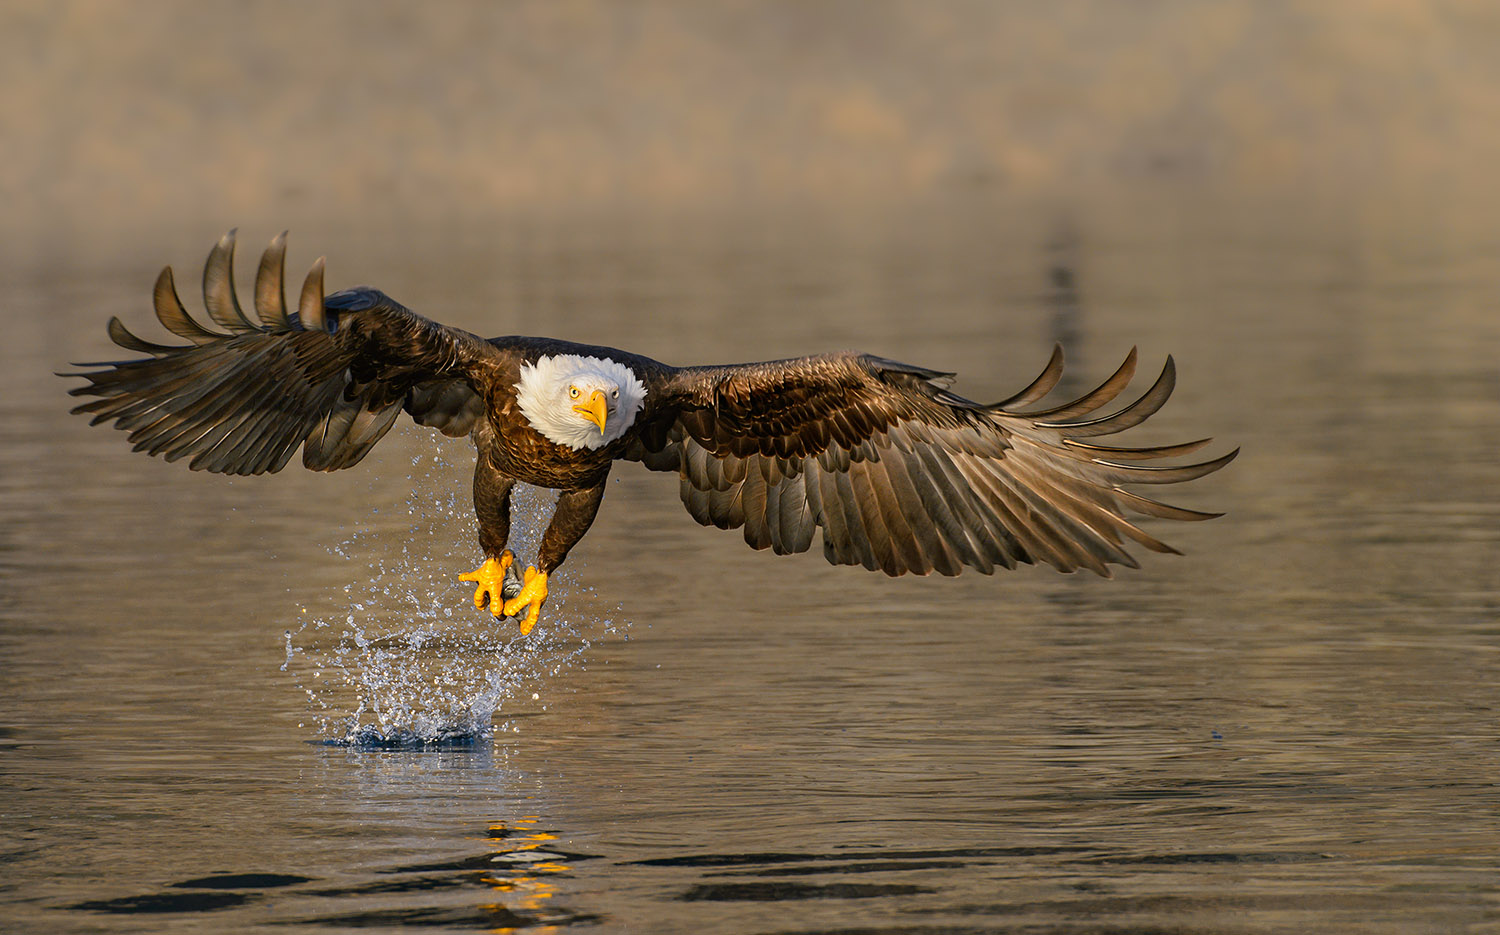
{"x":125,"y":123}
{"x":1291,"y":728}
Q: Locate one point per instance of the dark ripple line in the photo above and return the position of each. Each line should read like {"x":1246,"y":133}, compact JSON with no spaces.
{"x":242,"y":881}
{"x":164,"y":902}
{"x":482,"y":917}
{"x":730,"y":860}
{"x":1216,"y":857}
{"x":785,"y":892}
{"x":868,"y":867}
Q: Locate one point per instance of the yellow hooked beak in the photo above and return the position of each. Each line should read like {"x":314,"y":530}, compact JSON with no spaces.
{"x":594,"y":409}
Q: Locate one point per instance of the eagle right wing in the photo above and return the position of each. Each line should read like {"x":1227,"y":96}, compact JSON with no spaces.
{"x":903,"y":475}
{"x":331,"y":377}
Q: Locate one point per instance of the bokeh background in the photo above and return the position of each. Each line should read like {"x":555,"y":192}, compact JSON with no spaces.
{"x":129,"y":122}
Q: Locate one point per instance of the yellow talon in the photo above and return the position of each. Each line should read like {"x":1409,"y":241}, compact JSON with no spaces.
{"x":533,"y":593}
{"x":491,"y":578}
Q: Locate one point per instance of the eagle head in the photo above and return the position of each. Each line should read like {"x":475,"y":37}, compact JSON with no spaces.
{"x":579,"y":402}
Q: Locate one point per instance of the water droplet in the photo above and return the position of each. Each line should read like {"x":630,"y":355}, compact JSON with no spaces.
{"x":416,"y":664}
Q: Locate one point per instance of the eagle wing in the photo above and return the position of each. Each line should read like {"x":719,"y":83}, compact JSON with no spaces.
{"x":331,"y":377}
{"x":903,"y":475}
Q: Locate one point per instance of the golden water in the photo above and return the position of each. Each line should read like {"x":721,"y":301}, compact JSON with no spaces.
{"x":1291,"y":728}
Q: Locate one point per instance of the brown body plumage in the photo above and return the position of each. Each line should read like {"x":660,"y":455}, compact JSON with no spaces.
{"x":900,"y":474}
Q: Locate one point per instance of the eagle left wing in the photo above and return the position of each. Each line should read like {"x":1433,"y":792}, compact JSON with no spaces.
{"x":903,"y":475}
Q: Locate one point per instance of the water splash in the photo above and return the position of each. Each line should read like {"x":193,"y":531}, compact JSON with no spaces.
{"x":410,"y":662}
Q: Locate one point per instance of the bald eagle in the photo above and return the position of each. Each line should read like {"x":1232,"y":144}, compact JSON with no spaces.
{"x":901,"y":474}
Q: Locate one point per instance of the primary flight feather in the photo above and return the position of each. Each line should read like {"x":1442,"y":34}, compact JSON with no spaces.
{"x":900,"y":474}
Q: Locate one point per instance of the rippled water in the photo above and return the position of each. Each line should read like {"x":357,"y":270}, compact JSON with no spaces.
{"x":1292,"y":728}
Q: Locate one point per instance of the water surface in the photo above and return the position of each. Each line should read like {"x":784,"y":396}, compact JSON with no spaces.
{"x":1291,"y":728}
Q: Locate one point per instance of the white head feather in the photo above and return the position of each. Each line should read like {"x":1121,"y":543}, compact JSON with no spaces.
{"x":546,"y":395}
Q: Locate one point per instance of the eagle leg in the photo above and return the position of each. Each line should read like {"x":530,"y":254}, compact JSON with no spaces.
{"x":533,"y":593}
{"x":572,"y":518}
{"x":490,"y":578}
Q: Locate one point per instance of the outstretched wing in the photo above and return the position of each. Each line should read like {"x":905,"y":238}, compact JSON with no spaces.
{"x":331,"y":377}
{"x":904,"y":476}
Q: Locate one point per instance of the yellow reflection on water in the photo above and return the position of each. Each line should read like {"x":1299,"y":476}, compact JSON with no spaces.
{"x":526,"y":884}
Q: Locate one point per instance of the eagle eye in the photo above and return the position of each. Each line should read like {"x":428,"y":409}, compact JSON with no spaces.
{"x":615,"y":394}
{"x":573,"y":391}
